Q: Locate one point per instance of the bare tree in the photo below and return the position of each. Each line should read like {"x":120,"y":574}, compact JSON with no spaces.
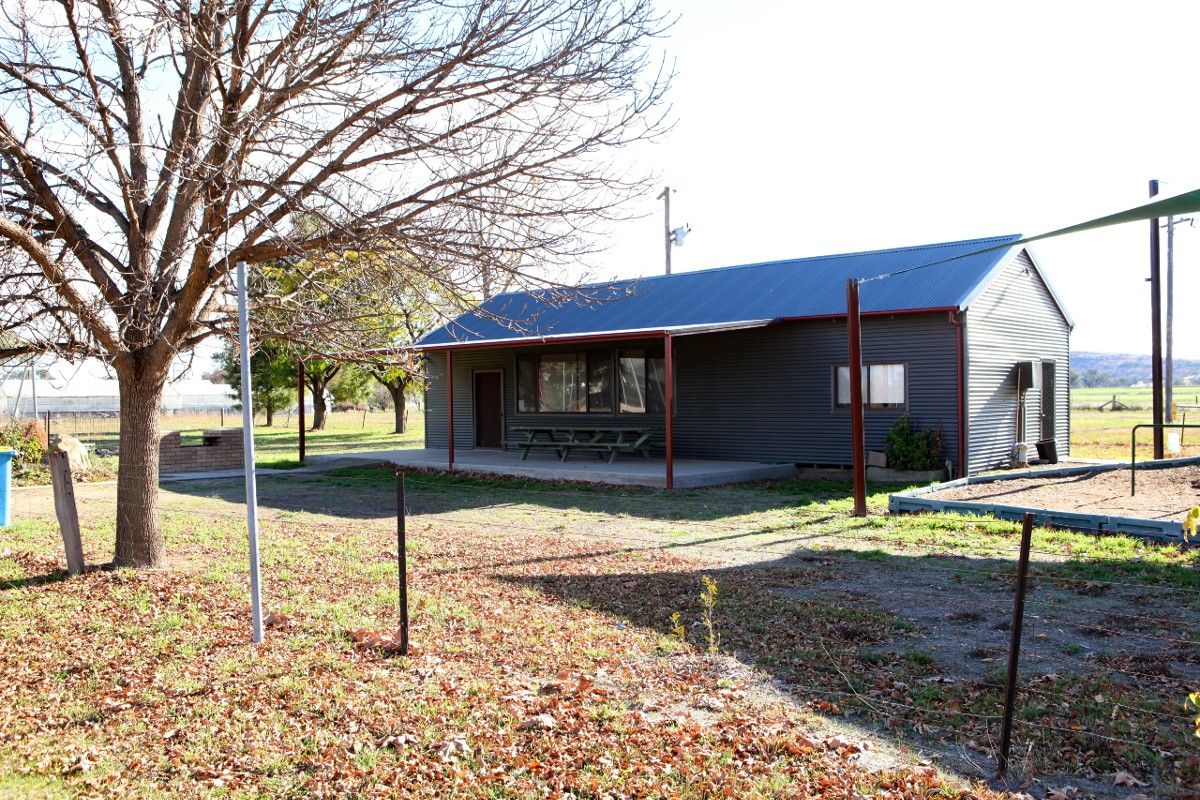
{"x":148,"y":145}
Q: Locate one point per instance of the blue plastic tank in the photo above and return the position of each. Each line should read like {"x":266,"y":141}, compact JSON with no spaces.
{"x":6,"y":457}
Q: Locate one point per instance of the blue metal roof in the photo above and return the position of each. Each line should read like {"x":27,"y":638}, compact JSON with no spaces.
{"x":797,"y":288}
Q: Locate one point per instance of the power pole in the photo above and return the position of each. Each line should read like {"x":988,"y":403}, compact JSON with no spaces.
{"x":671,"y":238}
{"x":1156,"y":374}
{"x":666,"y":198}
{"x":857,"y":430}
{"x":1169,"y":367}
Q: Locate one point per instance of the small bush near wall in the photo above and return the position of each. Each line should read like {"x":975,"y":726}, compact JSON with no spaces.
{"x":909,"y":449}
{"x":28,"y":438}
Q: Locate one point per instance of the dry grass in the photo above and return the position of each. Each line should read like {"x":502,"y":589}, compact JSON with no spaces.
{"x":143,"y":684}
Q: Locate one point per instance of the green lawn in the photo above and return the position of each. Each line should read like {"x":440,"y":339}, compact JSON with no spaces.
{"x":1094,"y":434}
{"x":1132,"y":396}
{"x":1106,"y":434}
{"x":275,"y":446}
{"x":557,"y":599}
{"x":346,"y":432}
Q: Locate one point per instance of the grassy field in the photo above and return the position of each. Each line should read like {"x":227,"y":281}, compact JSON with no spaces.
{"x":1094,"y":434}
{"x":1106,"y":434}
{"x":547,"y":661}
{"x":276,"y":446}
{"x":347,"y":432}
{"x":1132,"y":396}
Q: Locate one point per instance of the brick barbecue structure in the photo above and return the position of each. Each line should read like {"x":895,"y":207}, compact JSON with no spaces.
{"x":200,"y":451}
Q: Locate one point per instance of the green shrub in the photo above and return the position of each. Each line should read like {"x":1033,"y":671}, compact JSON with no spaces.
{"x":913,"y":449}
{"x":28,"y":438}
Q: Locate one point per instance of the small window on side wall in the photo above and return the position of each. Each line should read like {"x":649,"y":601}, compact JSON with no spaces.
{"x":883,"y":386}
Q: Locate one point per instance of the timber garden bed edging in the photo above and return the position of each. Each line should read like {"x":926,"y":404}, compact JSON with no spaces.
{"x":916,"y":500}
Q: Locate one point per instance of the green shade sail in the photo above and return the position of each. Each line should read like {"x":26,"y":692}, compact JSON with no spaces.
{"x":1186,"y":203}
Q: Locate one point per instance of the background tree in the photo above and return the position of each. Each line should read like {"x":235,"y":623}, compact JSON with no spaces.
{"x":415,"y":310}
{"x":272,"y":376}
{"x":318,"y":374}
{"x":147,"y":146}
{"x":343,"y":381}
{"x":399,"y":381}
{"x":352,"y":386}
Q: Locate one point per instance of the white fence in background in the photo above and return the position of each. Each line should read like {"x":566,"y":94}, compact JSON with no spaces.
{"x":22,"y":405}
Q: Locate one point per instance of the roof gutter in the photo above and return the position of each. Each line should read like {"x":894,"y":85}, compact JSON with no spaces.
{"x":656,"y":333}
{"x":603,"y":336}
{"x":495,"y":344}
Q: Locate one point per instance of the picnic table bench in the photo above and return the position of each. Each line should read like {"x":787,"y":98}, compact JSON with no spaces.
{"x":599,"y":440}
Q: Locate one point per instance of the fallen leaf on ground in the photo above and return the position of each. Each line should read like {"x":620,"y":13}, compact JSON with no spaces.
{"x":542,"y":722}
{"x":454,"y":748}
{"x":1123,"y":778}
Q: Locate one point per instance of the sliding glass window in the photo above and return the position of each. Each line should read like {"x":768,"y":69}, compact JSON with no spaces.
{"x":883,"y":386}
{"x":564,"y":383}
{"x":642,"y":382}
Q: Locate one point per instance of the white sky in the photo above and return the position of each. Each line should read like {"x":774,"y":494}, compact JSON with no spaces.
{"x":807,"y":128}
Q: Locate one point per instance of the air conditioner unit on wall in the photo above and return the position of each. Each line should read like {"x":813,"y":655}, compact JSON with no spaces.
{"x":1029,"y":375}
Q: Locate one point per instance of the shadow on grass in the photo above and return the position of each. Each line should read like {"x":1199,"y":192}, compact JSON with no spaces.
{"x":369,"y":492}
{"x":49,"y":578}
{"x":57,"y":576}
{"x":842,"y":629}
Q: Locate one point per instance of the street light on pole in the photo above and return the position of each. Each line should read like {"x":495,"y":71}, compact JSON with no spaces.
{"x":671,"y":238}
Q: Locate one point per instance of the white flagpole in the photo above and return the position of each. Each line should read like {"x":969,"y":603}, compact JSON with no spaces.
{"x":248,"y":450}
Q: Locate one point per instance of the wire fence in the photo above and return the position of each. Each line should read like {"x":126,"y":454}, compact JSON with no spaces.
{"x":1118,"y":705}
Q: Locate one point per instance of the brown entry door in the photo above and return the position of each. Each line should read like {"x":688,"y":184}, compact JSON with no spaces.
{"x":488,"y":409}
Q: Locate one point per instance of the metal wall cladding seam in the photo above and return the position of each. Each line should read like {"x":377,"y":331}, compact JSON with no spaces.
{"x":1015,"y":319}
{"x":808,"y":287}
{"x":755,"y":395}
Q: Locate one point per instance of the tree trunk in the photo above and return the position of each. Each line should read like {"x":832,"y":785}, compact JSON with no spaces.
{"x":270,"y":408}
{"x":318,"y":409}
{"x":139,"y":529}
{"x":401,"y":408}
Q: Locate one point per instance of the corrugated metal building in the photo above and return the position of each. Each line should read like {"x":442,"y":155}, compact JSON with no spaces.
{"x":963,"y":336}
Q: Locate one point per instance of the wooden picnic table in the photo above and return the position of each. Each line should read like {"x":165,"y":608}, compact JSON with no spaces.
{"x":600,"y":440}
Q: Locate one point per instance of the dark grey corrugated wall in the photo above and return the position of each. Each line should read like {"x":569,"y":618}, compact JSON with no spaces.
{"x":760,"y":395}
{"x":1014,"y":319}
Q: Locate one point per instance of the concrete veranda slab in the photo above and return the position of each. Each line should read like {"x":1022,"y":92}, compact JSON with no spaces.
{"x":628,"y":471}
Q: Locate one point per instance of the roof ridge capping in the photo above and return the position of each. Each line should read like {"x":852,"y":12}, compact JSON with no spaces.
{"x":997,"y":241}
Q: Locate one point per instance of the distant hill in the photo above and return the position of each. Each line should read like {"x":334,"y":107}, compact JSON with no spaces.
{"x":1125,"y":369}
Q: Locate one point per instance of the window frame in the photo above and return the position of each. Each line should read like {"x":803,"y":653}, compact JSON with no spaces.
{"x":612,"y":357}
{"x":649,"y":353}
{"x":867,"y":404}
{"x":589,"y":357}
